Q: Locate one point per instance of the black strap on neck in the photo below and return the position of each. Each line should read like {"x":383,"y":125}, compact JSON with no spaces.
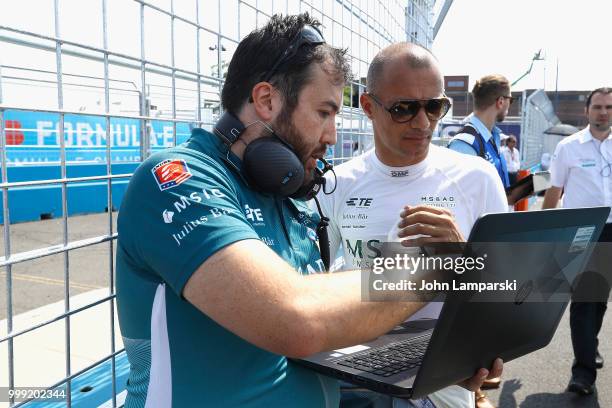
{"x":323,"y":236}
{"x":228,"y":128}
{"x":471,"y":130}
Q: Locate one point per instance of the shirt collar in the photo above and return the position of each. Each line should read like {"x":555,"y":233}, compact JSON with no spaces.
{"x":399,"y":173}
{"x":481,"y":128}
{"x":587,"y":136}
{"x":210,"y":144}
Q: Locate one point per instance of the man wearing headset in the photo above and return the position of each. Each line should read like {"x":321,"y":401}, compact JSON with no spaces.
{"x":432,"y":187}
{"x":217,"y":257}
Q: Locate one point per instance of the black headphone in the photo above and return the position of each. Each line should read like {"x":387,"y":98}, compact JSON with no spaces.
{"x":270,"y":164}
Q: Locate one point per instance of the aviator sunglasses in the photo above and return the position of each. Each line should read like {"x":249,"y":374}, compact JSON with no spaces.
{"x":405,"y":110}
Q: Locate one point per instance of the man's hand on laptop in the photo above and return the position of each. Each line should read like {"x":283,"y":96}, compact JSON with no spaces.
{"x":423,"y":224}
{"x":476,"y":381}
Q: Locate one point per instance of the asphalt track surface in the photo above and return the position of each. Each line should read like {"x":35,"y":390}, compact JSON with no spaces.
{"x":536,"y":380}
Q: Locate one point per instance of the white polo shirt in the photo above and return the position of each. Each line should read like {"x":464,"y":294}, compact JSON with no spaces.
{"x":582,"y":166}
{"x":369,"y":196}
{"x":513,"y":162}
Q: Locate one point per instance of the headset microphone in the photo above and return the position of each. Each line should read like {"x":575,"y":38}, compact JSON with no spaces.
{"x":322,"y":235}
{"x":270,"y":165}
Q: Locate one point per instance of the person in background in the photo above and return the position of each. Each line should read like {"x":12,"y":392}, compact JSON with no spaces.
{"x":511,"y":155}
{"x":356,"y":151}
{"x":581,"y":169}
{"x":479,"y":135}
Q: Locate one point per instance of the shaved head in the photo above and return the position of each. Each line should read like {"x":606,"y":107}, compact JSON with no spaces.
{"x":402,"y":72}
{"x":408,"y":54}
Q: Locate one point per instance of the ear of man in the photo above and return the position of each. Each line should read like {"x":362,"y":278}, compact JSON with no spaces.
{"x":266,"y":101}
{"x":366,"y":105}
{"x":499,"y":102}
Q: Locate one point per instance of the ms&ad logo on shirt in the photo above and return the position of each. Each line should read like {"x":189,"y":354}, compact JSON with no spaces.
{"x":439,"y":201}
{"x":170,"y":173}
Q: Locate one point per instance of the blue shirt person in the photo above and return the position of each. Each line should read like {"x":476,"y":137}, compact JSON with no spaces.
{"x":480,"y":136}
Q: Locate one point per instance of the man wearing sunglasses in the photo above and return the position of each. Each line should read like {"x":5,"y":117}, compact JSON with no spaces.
{"x":406,"y":188}
{"x":581,"y":170}
{"x":217,"y":261}
{"x":479,"y":135}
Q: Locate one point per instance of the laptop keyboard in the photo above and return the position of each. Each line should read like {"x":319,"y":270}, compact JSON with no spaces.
{"x":390,"y":360}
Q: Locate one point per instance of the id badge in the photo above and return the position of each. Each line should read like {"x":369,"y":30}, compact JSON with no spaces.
{"x":586,"y":163}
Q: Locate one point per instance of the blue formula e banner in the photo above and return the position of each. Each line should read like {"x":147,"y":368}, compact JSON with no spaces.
{"x":34,"y":137}
{"x":33,"y":153}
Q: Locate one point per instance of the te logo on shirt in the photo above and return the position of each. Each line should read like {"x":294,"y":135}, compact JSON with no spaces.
{"x":170,"y":173}
{"x":359,"y":202}
{"x":253,"y":214}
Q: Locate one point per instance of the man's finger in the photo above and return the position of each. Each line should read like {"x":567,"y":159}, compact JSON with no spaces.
{"x":425,"y":208}
{"x":423,"y":217}
{"x":476,"y":381}
{"x":421,"y":229}
{"x":497,"y":368}
{"x":424,"y":241}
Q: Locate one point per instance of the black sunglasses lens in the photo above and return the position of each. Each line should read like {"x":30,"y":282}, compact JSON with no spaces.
{"x":436,"y":108}
{"x":404,"y":111}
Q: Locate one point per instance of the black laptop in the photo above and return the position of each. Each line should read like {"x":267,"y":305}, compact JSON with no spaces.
{"x":543,"y":251}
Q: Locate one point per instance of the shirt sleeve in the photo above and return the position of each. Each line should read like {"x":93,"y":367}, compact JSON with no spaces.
{"x":171,"y":232}
{"x":495,"y":195}
{"x":462,"y":147}
{"x":558,"y":167}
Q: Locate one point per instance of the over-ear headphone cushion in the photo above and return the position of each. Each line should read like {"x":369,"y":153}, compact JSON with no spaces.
{"x":272,"y":167}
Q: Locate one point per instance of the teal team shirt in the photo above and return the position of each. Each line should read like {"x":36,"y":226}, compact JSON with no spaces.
{"x":182,"y":205}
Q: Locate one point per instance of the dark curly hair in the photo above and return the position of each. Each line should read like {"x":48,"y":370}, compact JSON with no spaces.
{"x":257,"y":53}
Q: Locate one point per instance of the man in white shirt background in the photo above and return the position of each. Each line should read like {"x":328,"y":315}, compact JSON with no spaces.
{"x":581,"y":170}
{"x":511,"y":155}
{"x":445,"y":191}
